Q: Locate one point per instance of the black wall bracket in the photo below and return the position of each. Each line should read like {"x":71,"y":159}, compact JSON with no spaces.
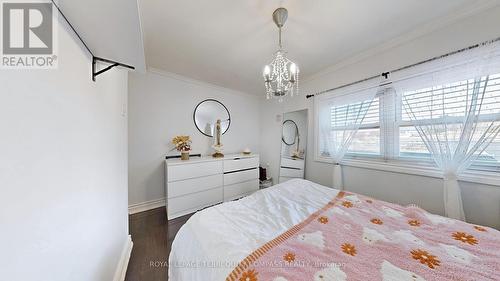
{"x":95,"y":59}
{"x":96,"y":72}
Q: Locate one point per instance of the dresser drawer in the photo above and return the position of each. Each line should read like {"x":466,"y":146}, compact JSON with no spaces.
{"x":292,"y":163}
{"x":183,"y":187}
{"x":241,"y":176}
{"x":186,"y":204}
{"x":193,"y":170}
{"x":241,"y":189}
{"x":240,"y":164}
{"x":291,"y":173}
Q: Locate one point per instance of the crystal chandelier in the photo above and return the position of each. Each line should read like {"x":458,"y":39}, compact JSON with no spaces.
{"x":281,"y":76}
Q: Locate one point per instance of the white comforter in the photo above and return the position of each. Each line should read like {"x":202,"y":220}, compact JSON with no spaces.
{"x":213,"y":241}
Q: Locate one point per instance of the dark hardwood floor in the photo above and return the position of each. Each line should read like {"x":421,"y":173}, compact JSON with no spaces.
{"x":152,"y":235}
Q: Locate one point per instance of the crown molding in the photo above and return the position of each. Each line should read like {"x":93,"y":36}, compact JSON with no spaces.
{"x":193,"y":81}
{"x":416,"y":33}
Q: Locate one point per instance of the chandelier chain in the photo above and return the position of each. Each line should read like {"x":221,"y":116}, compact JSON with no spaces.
{"x":279,"y":40}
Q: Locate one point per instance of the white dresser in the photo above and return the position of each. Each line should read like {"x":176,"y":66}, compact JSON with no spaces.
{"x":204,"y":181}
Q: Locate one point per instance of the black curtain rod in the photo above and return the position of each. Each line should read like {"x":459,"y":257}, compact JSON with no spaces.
{"x":386,"y":74}
{"x":95,"y":59}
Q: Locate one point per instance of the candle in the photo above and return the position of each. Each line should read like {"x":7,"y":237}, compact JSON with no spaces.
{"x":267,"y":73}
{"x":293,"y":72}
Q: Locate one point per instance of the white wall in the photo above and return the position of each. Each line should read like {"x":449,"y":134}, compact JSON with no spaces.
{"x":481,"y":202}
{"x":161,"y":106}
{"x":63,"y":170}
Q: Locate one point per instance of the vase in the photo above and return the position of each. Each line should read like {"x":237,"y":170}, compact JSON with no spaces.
{"x":184,"y":155}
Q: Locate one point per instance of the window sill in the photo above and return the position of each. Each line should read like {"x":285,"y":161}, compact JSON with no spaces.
{"x":420,"y":169}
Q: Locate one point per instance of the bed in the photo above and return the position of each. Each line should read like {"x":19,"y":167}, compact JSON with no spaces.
{"x":224,"y":242}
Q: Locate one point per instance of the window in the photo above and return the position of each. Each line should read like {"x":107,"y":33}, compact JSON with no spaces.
{"x":428,"y":108}
{"x":367,"y":139}
{"x":387,"y":131}
{"x":338,"y":119}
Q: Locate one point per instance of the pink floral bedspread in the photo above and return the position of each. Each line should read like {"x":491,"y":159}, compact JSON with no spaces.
{"x":355,"y":237}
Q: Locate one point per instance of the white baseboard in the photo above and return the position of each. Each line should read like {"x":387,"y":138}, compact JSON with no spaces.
{"x":121,"y":270}
{"x":144,"y":206}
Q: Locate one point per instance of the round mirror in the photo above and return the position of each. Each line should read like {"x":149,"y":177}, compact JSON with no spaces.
{"x":290,"y":132}
{"x":206,"y":115}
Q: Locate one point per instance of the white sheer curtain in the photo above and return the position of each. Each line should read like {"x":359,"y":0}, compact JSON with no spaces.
{"x":340,"y":115}
{"x":455,"y":108}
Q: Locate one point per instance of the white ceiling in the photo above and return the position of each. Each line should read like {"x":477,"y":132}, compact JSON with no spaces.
{"x":110,"y":28}
{"x":227,"y":42}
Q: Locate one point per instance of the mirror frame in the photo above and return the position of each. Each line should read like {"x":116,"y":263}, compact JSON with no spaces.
{"x":194,"y":116}
{"x":296,"y":132}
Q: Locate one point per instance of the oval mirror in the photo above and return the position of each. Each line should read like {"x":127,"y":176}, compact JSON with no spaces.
{"x":206,"y":115}
{"x":290,"y":131}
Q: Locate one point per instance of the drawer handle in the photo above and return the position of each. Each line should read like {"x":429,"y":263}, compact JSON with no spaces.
{"x":242,"y":170}
{"x":291,"y":168}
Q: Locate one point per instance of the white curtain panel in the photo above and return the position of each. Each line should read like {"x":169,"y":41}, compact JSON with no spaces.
{"x":455,"y":108}
{"x":340,"y":115}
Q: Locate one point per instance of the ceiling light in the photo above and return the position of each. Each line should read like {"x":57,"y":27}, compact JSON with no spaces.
{"x":281,"y":76}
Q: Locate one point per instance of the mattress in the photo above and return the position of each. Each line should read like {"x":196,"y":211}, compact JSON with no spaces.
{"x":213,"y":241}
{"x":299,"y":230}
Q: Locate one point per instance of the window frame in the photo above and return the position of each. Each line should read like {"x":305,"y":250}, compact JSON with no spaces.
{"x":390,"y":159}
{"x":374,"y":125}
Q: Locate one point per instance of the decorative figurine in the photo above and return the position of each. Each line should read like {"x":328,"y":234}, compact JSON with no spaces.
{"x":217,"y":141}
